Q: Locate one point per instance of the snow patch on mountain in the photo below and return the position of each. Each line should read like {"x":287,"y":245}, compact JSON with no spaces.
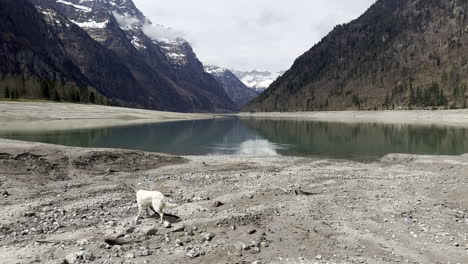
{"x":174,"y":50}
{"x":91,"y":24}
{"x":256,"y":79}
{"x":215,"y":70}
{"x":83,"y":8}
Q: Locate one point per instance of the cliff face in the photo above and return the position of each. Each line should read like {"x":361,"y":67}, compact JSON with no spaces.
{"x":34,"y":62}
{"x":105,"y":47}
{"x":235,"y":89}
{"x":399,"y":54}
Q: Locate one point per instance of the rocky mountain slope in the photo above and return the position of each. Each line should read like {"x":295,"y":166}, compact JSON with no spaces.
{"x":115,"y":50}
{"x":399,"y":54}
{"x":34,"y":62}
{"x":235,"y":88}
{"x":257,"y":80}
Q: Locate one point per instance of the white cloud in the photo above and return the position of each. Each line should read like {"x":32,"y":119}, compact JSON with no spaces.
{"x":125,"y":21}
{"x":248,"y":34}
{"x":157,"y":32}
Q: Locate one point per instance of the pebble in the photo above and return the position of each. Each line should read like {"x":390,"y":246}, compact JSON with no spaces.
{"x":144,"y":253}
{"x":208,"y":236}
{"x":29,"y":214}
{"x":130,"y":230}
{"x":217,"y":204}
{"x":151,"y":231}
{"x":167,"y":224}
{"x":179,"y":228}
{"x":318,"y":257}
{"x":252,"y":231}
{"x":130,"y":256}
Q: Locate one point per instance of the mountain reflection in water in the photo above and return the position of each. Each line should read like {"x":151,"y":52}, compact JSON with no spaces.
{"x":232,"y":136}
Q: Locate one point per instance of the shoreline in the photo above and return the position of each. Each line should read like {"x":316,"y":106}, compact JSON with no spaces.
{"x":60,"y":116}
{"x":66,"y":203}
{"x":417,"y":117}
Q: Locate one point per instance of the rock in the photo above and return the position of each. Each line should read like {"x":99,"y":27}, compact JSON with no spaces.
{"x":256,"y":249}
{"x":5,"y":194}
{"x":192,"y":253}
{"x":167,"y":224}
{"x":151,"y":231}
{"x":29,"y":214}
{"x":208,"y":236}
{"x":217,"y":204}
{"x":318,"y":257}
{"x":244,"y":247}
{"x":71,"y":258}
{"x":87,"y":256}
{"x":189,"y":233}
{"x":144,"y":253}
{"x":130,"y":230}
{"x":179,"y":228}
{"x":179,"y":243}
{"x":233,"y":227}
{"x":252,"y":231}
{"x":130,"y":256}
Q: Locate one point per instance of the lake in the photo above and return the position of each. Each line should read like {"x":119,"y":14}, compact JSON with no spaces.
{"x":233,"y":136}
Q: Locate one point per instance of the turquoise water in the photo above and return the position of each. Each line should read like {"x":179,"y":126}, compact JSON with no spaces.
{"x":360,"y":141}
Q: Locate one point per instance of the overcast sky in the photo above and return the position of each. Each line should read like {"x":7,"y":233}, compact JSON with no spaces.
{"x":252,"y":34}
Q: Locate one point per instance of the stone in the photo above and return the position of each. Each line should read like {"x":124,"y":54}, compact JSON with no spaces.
{"x":233,"y":227}
{"x":87,"y":256}
{"x":244,"y":247}
{"x":318,"y":257}
{"x":71,"y":258}
{"x":192,"y":253}
{"x":208,"y":236}
{"x":130,"y":230}
{"x":217,"y":204}
{"x":130,"y":256}
{"x":179,"y":228}
{"x":29,"y":214}
{"x":252,"y":231}
{"x":167,"y":224}
{"x":151,"y":231}
{"x":144,"y":253}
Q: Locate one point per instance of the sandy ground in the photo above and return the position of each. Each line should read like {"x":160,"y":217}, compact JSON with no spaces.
{"x":437,"y":117}
{"x":72,"y":205}
{"x":58,"y":116}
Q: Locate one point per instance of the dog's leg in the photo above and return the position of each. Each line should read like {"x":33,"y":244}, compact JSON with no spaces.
{"x":158,"y":207}
{"x":152,"y":209}
{"x":139,"y":214}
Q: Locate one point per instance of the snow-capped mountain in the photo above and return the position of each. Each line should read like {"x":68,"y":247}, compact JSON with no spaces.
{"x":257,"y":80}
{"x":165,"y":72}
{"x":235,"y":88}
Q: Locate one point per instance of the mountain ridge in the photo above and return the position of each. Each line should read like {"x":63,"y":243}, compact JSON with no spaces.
{"x":113,"y":52}
{"x":397,"y":55}
{"x":235,"y":88}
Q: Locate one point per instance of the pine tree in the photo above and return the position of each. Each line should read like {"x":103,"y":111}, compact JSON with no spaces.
{"x":92,"y":98}
{"x":7,"y":92}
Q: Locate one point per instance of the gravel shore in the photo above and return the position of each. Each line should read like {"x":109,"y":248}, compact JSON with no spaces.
{"x":25,"y":116}
{"x":72,"y":205}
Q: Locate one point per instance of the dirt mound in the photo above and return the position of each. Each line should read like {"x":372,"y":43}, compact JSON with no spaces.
{"x":29,"y":163}
{"x":125,"y":161}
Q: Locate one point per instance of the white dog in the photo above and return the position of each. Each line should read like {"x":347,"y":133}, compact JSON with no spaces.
{"x":153,"y":200}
